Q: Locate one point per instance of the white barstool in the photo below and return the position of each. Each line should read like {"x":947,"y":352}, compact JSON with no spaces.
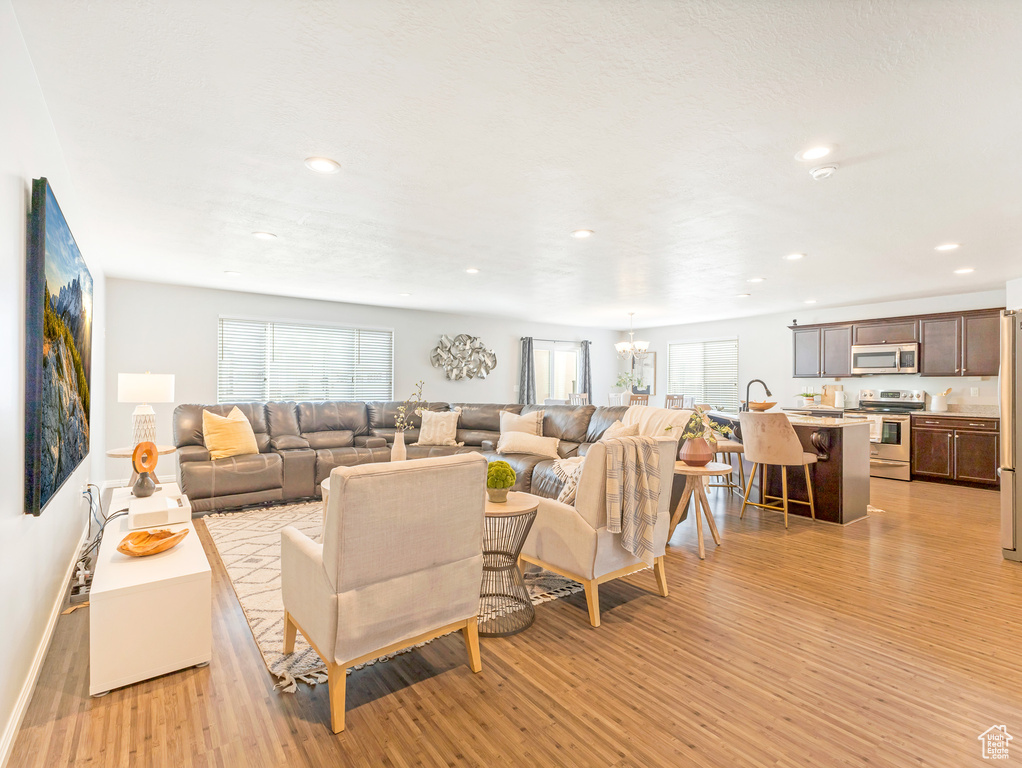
{"x":770,"y":440}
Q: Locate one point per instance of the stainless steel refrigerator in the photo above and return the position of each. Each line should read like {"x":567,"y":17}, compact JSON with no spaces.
{"x":1011,"y":396}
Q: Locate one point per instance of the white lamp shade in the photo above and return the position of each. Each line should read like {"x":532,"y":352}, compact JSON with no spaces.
{"x":145,"y":387}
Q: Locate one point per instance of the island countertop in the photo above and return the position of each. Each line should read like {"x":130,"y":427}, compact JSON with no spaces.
{"x":829,"y":421}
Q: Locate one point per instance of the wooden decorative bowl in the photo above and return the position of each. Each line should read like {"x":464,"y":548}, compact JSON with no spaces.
{"x":142,"y":543}
{"x":761,"y":406}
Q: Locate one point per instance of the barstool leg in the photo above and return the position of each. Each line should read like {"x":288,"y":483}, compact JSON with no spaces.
{"x":809,"y":487}
{"x":784,"y":492}
{"x":748,"y":488}
{"x":741,"y":472}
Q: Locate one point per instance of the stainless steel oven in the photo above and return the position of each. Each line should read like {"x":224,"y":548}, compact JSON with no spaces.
{"x":890,"y":429}
{"x":885,"y":358}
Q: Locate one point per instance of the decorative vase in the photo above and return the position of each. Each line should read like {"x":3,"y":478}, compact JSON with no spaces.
{"x":398,"y":452}
{"x":696,"y":452}
{"x":497,"y":495}
{"x":144,"y":486}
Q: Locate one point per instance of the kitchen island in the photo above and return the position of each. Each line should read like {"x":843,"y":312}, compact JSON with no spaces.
{"x":840,"y":475}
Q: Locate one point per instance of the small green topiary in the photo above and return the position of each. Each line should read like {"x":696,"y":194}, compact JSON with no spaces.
{"x":500,"y":475}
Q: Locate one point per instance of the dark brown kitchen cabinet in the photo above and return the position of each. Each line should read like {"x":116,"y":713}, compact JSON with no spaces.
{"x":933,"y":453}
{"x":837,"y":351}
{"x":981,"y":344}
{"x":886,"y":332}
{"x":806,"y":343}
{"x":976,"y":456}
{"x":940,"y":347}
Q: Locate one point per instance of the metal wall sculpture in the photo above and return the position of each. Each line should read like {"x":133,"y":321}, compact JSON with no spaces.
{"x":463,"y":357}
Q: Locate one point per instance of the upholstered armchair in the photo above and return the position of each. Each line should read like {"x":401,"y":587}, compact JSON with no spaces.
{"x":400,"y":563}
{"x":574,"y":541}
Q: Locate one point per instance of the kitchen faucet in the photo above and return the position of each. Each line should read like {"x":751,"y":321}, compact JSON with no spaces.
{"x":768,"y":392}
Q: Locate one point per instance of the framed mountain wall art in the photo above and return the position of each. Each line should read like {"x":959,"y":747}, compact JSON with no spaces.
{"x":58,"y":351}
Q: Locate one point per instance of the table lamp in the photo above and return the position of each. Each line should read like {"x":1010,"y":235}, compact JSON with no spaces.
{"x":144,"y":388}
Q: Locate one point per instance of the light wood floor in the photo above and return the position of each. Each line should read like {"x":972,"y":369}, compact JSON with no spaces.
{"x":894,"y":641}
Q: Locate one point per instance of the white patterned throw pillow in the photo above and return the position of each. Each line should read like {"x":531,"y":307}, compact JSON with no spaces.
{"x":439,"y":428}
{"x":530,"y":423}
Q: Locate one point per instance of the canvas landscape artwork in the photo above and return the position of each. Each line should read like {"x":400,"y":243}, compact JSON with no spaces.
{"x":59,"y":352}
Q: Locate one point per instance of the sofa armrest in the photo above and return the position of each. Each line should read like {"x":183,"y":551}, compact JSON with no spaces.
{"x":368,"y":441}
{"x":192,"y":453}
{"x":306,"y":589}
{"x":488,"y":445}
{"x":562,"y":537}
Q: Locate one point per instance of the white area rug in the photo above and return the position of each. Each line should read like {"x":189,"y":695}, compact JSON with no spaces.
{"x":249,"y":546}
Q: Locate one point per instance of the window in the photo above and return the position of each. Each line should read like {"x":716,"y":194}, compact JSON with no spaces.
{"x":258,"y":360}
{"x":707,"y":370}
{"x":557,"y":364}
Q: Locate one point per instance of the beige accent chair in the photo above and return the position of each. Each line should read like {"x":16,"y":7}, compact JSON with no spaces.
{"x":401,"y":563}
{"x":770,"y":440}
{"x":574,"y":541}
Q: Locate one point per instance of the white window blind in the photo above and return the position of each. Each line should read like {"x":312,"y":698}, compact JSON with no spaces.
{"x":260,"y":360}
{"x":707,"y":370}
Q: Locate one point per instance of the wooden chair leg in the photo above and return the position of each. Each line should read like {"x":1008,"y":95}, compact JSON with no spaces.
{"x":471,"y":633}
{"x":741,"y":472}
{"x":784,"y":493}
{"x":809,"y":488}
{"x":290,"y":631}
{"x":593,"y":601}
{"x":661,"y":576}
{"x":748,"y":488}
{"x":337,"y":680}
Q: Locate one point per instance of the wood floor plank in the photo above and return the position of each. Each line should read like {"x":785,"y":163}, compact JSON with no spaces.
{"x":894,"y":641}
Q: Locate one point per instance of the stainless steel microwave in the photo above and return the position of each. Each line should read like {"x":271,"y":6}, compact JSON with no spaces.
{"x":885,"y":358}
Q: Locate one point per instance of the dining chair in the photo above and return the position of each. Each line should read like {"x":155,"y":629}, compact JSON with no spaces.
{"x":771,"y":441}
{"x":578,"y":398}
{"x":674,"y":401}
{"x":638,"y":400}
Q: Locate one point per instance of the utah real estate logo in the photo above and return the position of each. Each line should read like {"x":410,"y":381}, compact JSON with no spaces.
{"x":994,"y":741}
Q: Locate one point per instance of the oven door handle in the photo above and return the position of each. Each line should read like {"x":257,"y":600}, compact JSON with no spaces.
{"x":885,"y":463}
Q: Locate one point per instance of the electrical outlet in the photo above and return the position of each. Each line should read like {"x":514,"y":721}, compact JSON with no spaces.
{"x":974,"y":391}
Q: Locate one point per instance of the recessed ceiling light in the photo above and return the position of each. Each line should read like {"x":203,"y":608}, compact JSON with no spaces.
{"x":823,"y":172}
{"x":794,"y":256}
{"x":814,"y":153}
{"x":472,"y":271}
{"x":582,"y":233}
{"x":322,"y":165}
{"x":810,"y":301}
{"x":264,"y":235}
{"x":755,"y":280}
{"x":742,"y":295}
{"x":964,"y":271}
{"x":948,"y":247}
{"x":231,"y":273}
{"x":404,"y":294}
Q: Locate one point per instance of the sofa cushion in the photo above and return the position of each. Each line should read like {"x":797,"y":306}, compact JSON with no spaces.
{"x":523,"y":442}
{"x":545,"y":481}
{"x":282,"y":421}
{"x":232,"y":476}
{"x":438,"y":428}
{"x":188,"y":422}
{"x":523,"y":465}
{"x":483,"y":416}
{"x":229,"y":435}
{"x":328,"y":458}
{"x":602,"y":418}
{"x":331,"y":438}
{"x":431,"y":451}
{"x":382,"y":414}
{"x":477,"y":436}
{"x":565,"y":422}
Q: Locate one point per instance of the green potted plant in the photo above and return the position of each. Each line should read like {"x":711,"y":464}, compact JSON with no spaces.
{"x":499,"y":479}
{"x":699,"y":442}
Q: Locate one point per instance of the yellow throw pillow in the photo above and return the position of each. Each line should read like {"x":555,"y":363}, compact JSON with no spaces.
{"x":229,"y":435}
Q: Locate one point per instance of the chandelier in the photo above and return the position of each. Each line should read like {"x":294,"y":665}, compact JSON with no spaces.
{"x":632,"y":349}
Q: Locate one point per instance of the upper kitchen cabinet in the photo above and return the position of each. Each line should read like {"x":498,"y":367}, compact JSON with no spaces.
{"x":900,"y":331}
{"x":837,"y":351}
{"x":981,"y":344}
{"x":806,"y":344}
{"x":940,"y":346}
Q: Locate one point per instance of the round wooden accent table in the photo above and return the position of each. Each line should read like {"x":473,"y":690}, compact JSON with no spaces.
{"x":126,"y":453}
{"x":694,"y":487}
{"x":505,"y":607}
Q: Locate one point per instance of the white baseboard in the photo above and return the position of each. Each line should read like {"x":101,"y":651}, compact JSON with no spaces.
{"x":25,"y":697}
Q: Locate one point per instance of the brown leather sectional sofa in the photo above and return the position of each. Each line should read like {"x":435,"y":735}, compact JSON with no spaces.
{"x":299,"y":443}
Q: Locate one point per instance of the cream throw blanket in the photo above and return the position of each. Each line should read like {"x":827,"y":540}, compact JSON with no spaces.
{"x":633,"y":492}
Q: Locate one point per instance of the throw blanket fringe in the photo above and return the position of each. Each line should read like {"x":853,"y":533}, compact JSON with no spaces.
{"x":633,"y":492}
{"x":569,"y":471}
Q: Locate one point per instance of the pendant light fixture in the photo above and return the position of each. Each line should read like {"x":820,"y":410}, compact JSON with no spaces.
{"x":632,"y":349}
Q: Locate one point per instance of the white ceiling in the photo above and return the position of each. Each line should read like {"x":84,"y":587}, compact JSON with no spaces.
{"x":480,"y":134}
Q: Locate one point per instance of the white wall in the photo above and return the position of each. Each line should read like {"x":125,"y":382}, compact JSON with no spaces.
{"x":765,"y":349}
{"x":181,"y":323}
{"x":34,"y":552}
{"x":1013,"y":294}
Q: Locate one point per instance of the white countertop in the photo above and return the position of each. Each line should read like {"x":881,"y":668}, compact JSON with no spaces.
{"x":828,"y":421}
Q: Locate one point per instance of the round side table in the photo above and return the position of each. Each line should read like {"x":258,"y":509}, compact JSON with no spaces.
{"x":694,"y":487}
{"x":125,"y":453}
{"x":505,"y":607}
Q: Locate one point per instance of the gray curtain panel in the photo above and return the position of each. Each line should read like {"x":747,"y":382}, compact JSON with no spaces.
{"x":527,"y":383}
{"x":587,"y":371}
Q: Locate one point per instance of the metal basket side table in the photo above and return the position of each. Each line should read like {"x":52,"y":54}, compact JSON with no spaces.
{"x":505,"y":607}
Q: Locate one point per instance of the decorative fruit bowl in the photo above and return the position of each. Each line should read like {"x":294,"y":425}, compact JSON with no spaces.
{"x":753,"y":405}
{"x":142,"y":543}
